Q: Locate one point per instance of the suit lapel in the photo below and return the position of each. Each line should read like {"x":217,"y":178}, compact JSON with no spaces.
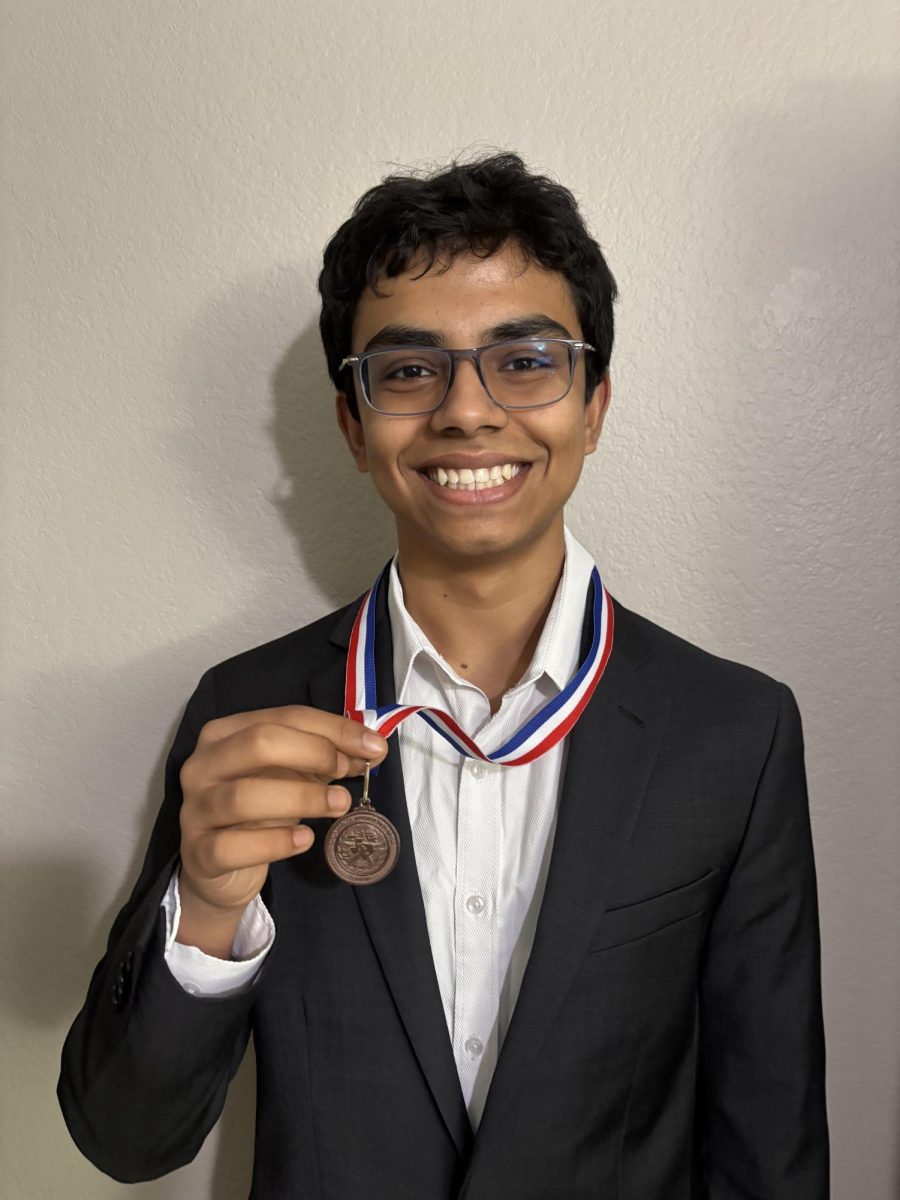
{"x":393,"y":909}
{"x":611,"y":753}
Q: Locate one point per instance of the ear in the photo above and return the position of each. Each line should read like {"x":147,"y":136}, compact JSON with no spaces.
{"x":351,"y":428}
{"x":594,"y":413}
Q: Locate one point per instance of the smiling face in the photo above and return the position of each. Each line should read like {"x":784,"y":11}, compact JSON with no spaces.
{"x":474,"y":302}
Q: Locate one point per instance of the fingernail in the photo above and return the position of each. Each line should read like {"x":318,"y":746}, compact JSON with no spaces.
{"x":338,"y":799}
{"x":302,"y":836}
{"x":374,"y":743}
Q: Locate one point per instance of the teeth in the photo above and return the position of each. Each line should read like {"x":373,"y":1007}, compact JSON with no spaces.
{"x":478,"y":480}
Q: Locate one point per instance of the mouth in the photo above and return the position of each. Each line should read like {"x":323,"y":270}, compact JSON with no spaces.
{"x":474,"y":479}
{"x":460,"y":485}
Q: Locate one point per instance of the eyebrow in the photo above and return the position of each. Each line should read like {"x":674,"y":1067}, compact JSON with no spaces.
{"x":528,"y":326}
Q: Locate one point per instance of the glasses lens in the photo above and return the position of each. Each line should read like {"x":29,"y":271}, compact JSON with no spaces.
{"x":406,"y":380}
{"x":529,"y":373}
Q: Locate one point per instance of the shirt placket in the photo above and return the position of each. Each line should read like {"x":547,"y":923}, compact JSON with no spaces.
{"x":476,"y":903}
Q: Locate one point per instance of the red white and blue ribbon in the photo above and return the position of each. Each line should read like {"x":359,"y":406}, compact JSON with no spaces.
{"x":538,"y":735}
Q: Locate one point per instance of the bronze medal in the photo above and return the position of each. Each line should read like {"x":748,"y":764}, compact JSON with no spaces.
{"x":362,"y":846}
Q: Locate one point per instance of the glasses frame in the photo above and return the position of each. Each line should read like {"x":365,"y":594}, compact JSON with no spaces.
{"x":474,"y":353}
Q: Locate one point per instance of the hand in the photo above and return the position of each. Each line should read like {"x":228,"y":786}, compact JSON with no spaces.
{"x":251,"y":778}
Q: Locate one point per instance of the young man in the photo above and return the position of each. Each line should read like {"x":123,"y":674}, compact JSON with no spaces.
{"x":587,"y":965}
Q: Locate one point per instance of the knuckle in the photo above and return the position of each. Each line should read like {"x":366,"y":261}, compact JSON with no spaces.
{"x":201,"y":809}
{"x":186,"y":773}
{"x":236,"y":798}
{"x":262,"y":739}
{"x":208,"y":852}
{"x":208,"y":732}
{"x":298,"y":713}
{"x":188,"y":814}
{"x":323,"y":752}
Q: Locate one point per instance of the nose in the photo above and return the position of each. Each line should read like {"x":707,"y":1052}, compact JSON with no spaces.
{"x":467,"y":406}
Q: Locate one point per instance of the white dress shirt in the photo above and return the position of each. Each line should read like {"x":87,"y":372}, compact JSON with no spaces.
{"x":482,"y":834}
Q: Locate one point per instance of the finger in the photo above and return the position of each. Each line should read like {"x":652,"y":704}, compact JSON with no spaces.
{"x":275,"y":823}
{"x":224,"y":850}
{"x":259,"y":746}
{"x":251,"y":799}
{"x":355,"y":766}
{"x":287,"y":773}
{"x":350,"y":737}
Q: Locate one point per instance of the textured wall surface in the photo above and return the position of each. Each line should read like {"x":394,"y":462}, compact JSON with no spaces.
{"x":175,"y":491}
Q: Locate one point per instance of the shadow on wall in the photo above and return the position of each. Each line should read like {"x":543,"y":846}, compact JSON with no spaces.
{"x":54,"y":949}
{"x":342,"y":531}
{"x":343,"y":536}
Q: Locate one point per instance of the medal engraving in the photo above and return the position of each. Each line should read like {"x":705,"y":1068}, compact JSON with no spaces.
{"x":362,"y":846}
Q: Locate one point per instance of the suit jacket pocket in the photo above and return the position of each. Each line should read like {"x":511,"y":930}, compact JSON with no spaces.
{"x":630,"y":922}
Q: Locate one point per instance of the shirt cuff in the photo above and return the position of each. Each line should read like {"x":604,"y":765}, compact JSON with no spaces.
{"x":204,"y":975}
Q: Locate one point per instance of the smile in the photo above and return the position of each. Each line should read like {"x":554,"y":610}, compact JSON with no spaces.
{"x":479,"y":486}
{"x":478,"y":480}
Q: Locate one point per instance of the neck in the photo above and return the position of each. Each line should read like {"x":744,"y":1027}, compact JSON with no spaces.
{"x":485,"y":616}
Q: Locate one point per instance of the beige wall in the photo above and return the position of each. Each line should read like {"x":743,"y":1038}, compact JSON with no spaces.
{"x":175,"y":491}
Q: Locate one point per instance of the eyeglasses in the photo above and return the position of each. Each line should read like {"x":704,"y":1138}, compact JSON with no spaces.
{"x":410,"y":381}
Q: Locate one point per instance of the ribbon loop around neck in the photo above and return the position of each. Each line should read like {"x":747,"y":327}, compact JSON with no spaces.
{"x":535,"y":737}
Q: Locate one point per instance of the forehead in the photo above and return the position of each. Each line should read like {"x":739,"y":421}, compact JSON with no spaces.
{"x":465,"y":297}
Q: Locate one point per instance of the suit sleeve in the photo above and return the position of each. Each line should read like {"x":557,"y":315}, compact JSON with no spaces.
{"x":761,"y":1120}
{"x":146,"y":1065}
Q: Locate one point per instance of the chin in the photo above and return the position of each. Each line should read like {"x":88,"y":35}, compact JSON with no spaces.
{"x":472,"y":543}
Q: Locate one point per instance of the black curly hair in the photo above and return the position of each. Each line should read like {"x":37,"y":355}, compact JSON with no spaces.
{"x":471,"y":206}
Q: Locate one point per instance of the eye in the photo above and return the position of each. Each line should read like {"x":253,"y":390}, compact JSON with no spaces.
{"x":404,"y":369}
{"x":528,"y":359}
{"x":527,"y":362}
{"x":523,"y":358}
{"x":409,"y":370}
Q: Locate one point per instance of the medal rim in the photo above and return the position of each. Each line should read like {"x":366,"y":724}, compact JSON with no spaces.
{"x":353,"y":817}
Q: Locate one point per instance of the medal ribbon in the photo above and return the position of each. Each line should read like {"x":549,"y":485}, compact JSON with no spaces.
{"x":539,"y":734}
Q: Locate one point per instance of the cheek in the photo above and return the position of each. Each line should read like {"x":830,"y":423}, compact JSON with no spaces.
{"x":562,"y":441}
{"x":384,"y":448}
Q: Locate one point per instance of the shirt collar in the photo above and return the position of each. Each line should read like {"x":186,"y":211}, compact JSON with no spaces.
{"x":558,"y":650}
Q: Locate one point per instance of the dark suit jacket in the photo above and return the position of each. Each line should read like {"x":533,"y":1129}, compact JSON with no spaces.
{"x":667,"y":1042}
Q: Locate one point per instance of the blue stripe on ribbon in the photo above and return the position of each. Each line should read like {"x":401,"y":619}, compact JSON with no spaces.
{"x":549,"y":710}
{"x":424,"y":714}
{"x":553,"y":706}
{"x":369,"y":670}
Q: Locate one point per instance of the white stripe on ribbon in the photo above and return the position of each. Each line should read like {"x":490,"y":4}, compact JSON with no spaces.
{"x":542,"y":731}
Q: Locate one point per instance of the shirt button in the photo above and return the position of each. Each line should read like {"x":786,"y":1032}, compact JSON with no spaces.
{"x":474,"y":1047}
{"x":475,"y":904}
{"x":478,"y":770}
